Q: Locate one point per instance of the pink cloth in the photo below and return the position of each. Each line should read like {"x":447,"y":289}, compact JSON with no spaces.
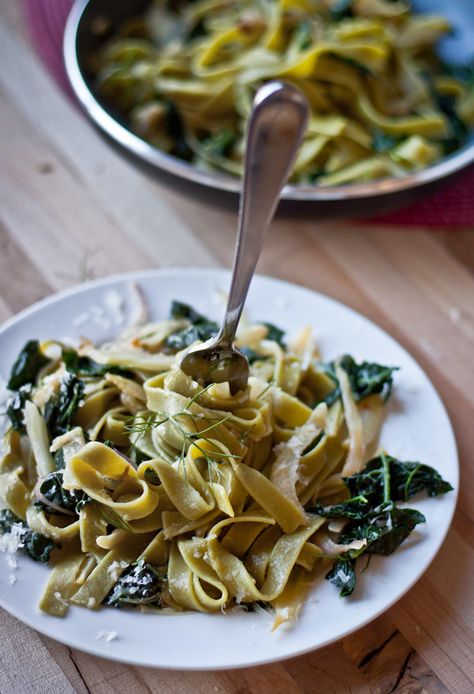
{"x":452,"y":207}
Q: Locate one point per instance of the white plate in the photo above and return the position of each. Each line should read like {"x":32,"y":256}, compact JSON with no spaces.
{"x":417,"y":428}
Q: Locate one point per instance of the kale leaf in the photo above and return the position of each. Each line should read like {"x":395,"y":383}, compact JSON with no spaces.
{"x":175,"y":128}
{"x":197,"y":30}
{"x":384,"y":529}
{"x":15,"y":407}
{"x":365,"y":379}
{"x":340,"y":9}
{"x":35,"y":545}
{"x":151,"y":477}
{"x":405,"y":479}
{"x":383,"y":143}
{"x":275,"y":334}
{"x":356,"y":507}
{"x":220,"y":144}
{"x":373,"y":515}
{"x":181,"y":310}
{"x":27,"y":365}
{"x":85,"y":366}
{"x":303,"y":35}
{"x":38,"y":547}
{"x":68,"y":499}
{"x":139,"y":584}
{"x":343,"y":576}
{"x":60,"y":410}
{"x":201,"y":329}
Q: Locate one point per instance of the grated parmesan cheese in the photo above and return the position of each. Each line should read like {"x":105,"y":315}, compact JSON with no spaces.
{"x":60,"y":598}
{"x":116,"y":568}
{"x":107,"y":635}
{"x":110,"y":313}
{"x":343,"y":577}
{"x":11,"y":561}
{"x":80,"y":319}
{"x":113,"y":301}
{"x":14,"y":540}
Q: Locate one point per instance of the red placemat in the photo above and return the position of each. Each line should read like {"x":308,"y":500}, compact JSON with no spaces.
{"x":452,"y":207}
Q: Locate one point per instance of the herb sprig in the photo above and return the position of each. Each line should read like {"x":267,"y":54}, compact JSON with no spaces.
{"x":154,"y":420}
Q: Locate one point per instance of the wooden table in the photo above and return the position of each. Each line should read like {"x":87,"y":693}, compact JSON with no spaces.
{"x":71,"y":208}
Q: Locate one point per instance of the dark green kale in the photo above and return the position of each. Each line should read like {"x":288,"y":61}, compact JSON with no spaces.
{"x":139,"y":584}
{"x":459,"y":130}
{"x":276,"y":334}
{"x":38,"y":547}
{"x":181,"y":310}
{"x":201,"y":329}
{"x":60,"y":410}
{"x":84,"y":366}
{"x":151,"y":477}
{"x":15,"y":407}
{"x":28,"y":364}
{"x":343,"y":576}
{"x":385,"y":478}
{"x":220,"y":144}
{"x":365,"y":379}
{"x":59,"y":460}
{"x":355,"y":507}
{"x":372,"y":513}
{"x":35,"y":545}
{"x":340,"y":9}
{"x":71,"y":500}
{"x":175,"y":129}
{"x":384,"y":529}
{"x":447,"y":105}
{"x":303,"y":34}
{"x":198,"y":29}
{"x":463,"y":73}
{"x":383,"y":143}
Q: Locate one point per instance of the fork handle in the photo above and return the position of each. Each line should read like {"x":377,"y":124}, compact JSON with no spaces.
{"x":275,"y":130}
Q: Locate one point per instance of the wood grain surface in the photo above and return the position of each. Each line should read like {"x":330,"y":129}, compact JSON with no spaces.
{"x":72,"y":208}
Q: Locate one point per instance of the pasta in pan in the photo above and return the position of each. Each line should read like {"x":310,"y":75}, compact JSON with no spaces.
{"x":382,"y":104}
{"x":143,"y":489}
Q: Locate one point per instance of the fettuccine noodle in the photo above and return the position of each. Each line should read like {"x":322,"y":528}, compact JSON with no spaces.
{"x":144,"y":489}
{"x":382,"y":104}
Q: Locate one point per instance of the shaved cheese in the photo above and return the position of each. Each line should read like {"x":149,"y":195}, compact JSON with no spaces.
{"x":116,"y":569}
{"x":49,"y":388}
{"x":107,"y":635}
{"x":333,"y":549}
{"x":355,"y":458}
{"x":126,"y":385}
{"x":38,"y":435}
{"x":304,"y":347}
{"x":70,"y":444}
{"x":113,"y":301}
{"x":13,"y":540}
{"x":140,"y":313}
{"x":285,"y":469}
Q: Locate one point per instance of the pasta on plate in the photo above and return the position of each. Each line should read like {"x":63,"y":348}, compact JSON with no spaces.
{"x":143,"y":489}
{"x":382,"y":103}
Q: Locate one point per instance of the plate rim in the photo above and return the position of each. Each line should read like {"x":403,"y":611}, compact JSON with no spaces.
{"x":136,"y":275}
